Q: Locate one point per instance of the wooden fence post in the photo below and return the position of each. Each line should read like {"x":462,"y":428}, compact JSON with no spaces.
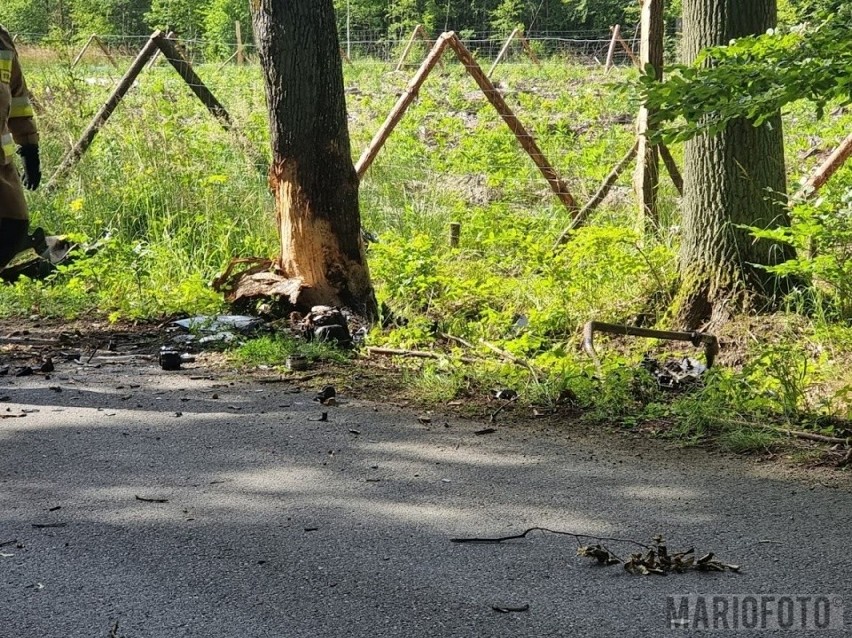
{"x":610,"y":54}
{"x":401,"y":106}
{"x":455,"y":234}
{"x":527,"y":142}
{"x":581,"y":217}
{"x":828,"y":168}
{"x":646,"y":180}
{"x":241,"y":59}
{"x":503,"y":51}
{"x":418,"y":32}
{"x":83,"y":51}
{"x":94,"y":38}
{"x":73,"y":156}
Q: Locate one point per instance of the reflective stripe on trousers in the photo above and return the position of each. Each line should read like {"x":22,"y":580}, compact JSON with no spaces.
{"x":6,"y":58}
{"x":21,"y":107}
{"x":8,"y":146}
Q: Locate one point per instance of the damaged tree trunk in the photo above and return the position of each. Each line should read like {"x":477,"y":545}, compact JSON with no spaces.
{"x":732,"y":179}
{"x":312,"y":176}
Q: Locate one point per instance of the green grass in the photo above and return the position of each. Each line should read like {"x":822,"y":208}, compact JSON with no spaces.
{"x":172,"y":198}
{"x":273,"y":350}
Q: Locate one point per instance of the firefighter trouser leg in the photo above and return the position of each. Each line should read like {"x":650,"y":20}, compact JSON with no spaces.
{"x":13,"y":214}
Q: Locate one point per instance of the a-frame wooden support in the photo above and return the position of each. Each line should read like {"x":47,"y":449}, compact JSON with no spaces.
{"x":94,"y":39}
{"x":418,"y":32}
{"x":527,"y":142}
{"x":517,"y":34}
{"x":157,"y":43}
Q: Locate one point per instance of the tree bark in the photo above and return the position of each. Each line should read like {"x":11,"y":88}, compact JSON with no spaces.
{"x":312,"y":176}
{"x":732,"y":178}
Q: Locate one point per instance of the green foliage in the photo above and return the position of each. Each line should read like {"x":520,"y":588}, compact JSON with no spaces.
{"x":179,"y":200}
{"x":821,"y":232}
{"x":754,"y":77}
{"x":273,"y":350}
{"x":218,"y":23}
{"x":182,"y":16}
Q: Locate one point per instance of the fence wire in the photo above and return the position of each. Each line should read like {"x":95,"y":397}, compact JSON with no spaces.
{"x":580,"y":47}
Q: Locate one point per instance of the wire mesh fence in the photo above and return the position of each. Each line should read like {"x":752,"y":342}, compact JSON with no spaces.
{"x":578,"y":47}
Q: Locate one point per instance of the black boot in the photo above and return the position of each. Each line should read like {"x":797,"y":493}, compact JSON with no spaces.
{"x":13,"y":239}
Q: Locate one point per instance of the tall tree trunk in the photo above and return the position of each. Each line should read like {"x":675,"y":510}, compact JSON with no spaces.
{"x":732,"y":178}
{"x":312,"y":175}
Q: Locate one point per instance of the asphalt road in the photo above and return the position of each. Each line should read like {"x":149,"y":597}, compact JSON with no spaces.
{"x":277,"y":524}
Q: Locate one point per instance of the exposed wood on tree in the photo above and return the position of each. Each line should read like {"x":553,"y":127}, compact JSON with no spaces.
{"x":312,"y":178}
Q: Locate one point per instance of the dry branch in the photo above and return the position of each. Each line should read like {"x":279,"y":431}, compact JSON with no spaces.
{"x":417,"y":354}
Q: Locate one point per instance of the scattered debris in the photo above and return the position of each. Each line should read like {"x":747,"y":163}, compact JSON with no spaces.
{"x":26,"y":371}
{"x":424,"y":419}
{"x":514,"y":397}
{"x":47,"y":367}
{"x":296,"y":363}
{"x":509,"y":610}
{"x":171,"y":359}
{"x":220,"y":323}
{"x":485,"y":431}
{"x":675,"y":374}
{"x":326,"y":324}
{"x":655,"y":560}
{"x":710,"y":342}
{"x":323,"y":417}
{"x":47,"y":525}
{"x":151,"y":500}
{"x":505,"y":394}
{"x":328,"y":392}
